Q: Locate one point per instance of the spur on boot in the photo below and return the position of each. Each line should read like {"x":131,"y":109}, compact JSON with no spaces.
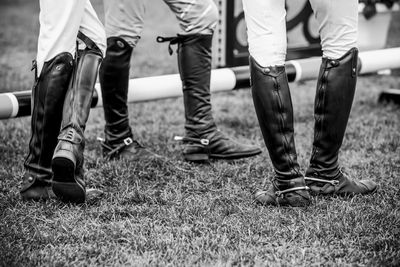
{"x":273,"y":106}
{"x":130,"y":149}
{"x":215,"y":145}
{"x":339,"y":185}
{"x":292,"y":192}
{"x":336,"y":86}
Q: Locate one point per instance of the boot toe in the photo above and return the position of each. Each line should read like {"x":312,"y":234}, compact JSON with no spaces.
{"x":347,"y":186}
{"x":138,"y":154}
{"x":93,"y":194}
{"x":299,"y":198}
{"x":225,"y":148}
{"x":35,"y":188}
{"x":265,"y":197}
{"x":342,"y":185}
{"x":37,"y":193}
{"x":233,"y":148}
{"x":130,"y":149}
{"x":218,"y":146}
{"x":369,"y":186}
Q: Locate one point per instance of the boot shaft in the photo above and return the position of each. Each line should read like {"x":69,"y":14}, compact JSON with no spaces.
{"x":273,"y":105}
{"x":48,"y":95}
{"x":71,"y":141}
{"x":114,"y":81}
{"x":79,"y":96}
{"x":333,"y":101}
{"x":194,"y":61}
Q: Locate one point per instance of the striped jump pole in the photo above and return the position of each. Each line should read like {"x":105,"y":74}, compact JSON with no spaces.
{"x":17,"y":104}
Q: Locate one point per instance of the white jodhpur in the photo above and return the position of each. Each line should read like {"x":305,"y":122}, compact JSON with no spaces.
{"x":60,"y":22}
{"x":266,"y":28}
{"x":125,"y":18}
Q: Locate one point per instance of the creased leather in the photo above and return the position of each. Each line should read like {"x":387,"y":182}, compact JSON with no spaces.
{"x":48,"y":95}
{"x":114,"y":81}
{"x":333,"y":100}
{"x":194,"y":61}
{"x":221,"y":147}
{"x":79,"y":95}
{"x":76,"y":111}
{"x":273,"y":105}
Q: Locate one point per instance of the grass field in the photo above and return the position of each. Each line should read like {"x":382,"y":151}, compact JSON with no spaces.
{"x":176,"y":213}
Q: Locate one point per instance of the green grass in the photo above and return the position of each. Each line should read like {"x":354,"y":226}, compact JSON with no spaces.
{"x":176,"y":213}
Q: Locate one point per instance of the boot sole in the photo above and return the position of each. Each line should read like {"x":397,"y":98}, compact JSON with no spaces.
{"x":205,"y":157}
{"x":197,"y":157}
{"x":36,"y":194}
{"x":263,"y":198}
{"x":344,"y":195}
{"x":65,"y":185}
{"x":236,"y":155}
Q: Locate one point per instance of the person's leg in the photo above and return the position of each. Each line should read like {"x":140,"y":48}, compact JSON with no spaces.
{"x":124,"y":21}
{"x":265,"y":21}
{"x":59,"y":24}
{"x":67,"y":162}
{"x":334,"y":97}
{"x":198,"y":20}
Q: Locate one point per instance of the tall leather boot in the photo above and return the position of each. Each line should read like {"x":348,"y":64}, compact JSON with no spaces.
{"x":203,"y":139}
{"x":48,"y":94}
{"x":114,"y":81}
{"x":334,"y":97}
{"x":67,"y":163}
{"x":273,"y":105}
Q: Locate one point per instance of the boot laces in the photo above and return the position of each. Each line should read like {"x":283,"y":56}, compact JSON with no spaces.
{"x":70,"y":135}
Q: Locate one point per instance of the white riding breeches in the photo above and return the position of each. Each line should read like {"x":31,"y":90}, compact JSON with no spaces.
{"x":125,"y":18}
{"x":266,"y":28}
{"x":60,"y":22}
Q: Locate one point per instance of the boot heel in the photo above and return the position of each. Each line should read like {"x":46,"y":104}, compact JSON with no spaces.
{"x":69,"y":192}
{"x":196,"y":157}
{"x":63,"y":169}
{"x":64,"y":184}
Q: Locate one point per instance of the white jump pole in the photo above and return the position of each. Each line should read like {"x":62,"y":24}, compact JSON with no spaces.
{"x":166,"y":86}
{"x":17,"y":104}
{"x":226,"y":79}
{"x":373,"y":61}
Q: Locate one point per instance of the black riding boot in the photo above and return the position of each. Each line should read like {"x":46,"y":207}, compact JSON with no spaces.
{"x":273,"y":105}
{"x":334,"y":97}
{"x":48,"y":95}
{"x":67,"y":164}
{"x":203,"y":139}
{"x":114,"y":81}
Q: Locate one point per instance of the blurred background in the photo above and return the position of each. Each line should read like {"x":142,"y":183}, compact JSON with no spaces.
{"x":19,"y":30}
